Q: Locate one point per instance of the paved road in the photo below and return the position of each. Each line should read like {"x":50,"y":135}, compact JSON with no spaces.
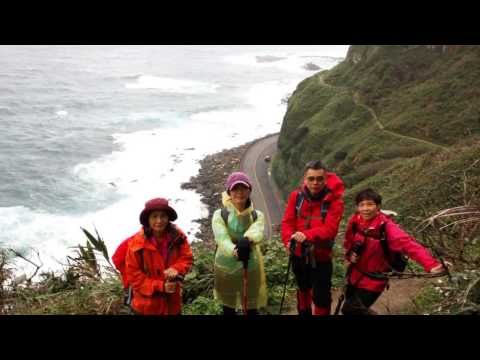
{"x":265,"y":195}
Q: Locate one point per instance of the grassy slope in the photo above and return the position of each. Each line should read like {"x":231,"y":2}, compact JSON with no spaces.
{"x":415,"y":92}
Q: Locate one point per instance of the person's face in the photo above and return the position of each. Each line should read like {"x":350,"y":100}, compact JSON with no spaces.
{"x":158,"y":221}
{"x":368,"y":209}
{"x":315,"y":180}
{"x":240,"y":194}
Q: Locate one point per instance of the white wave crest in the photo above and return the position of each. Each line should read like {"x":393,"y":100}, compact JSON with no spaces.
{"x":172,"y":85}
{"x":62,"y":113}
{"x":294,"y":63}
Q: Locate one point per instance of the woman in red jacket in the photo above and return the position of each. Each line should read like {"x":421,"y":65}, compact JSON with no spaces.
{"x":311,"y":221}
{"x":157,"y":259}
{"x":365,"y":255}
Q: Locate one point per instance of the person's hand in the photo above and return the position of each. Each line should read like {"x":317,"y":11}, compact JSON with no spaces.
{"x":354,"y":258}
{"x":170,"y":273}
{"x":235,"y":253}
{"x":299,"y":237}
{"x":440,"y":268}
{"x":170,"y":287}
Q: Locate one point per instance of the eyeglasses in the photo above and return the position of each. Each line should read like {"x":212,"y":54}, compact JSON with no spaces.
{"x":313,"y":178}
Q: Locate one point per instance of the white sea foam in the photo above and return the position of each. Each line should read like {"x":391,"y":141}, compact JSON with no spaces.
{"x":155,"y":162}
{"x":294,"y":63}
{"x":149,"y":164}
{"x":5,"y":110}
{"x":170,"y":85}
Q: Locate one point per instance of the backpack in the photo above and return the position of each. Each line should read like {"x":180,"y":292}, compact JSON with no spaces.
{"x":323,"y":212}
{"x":224,"y":214}
{"x":396,"y":260}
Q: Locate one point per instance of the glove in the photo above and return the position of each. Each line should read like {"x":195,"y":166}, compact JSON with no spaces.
{"x":243,"y":249}
{"x":358,"y":248}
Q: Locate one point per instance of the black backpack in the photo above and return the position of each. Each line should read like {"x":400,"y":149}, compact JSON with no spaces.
{"x":396,"y":260}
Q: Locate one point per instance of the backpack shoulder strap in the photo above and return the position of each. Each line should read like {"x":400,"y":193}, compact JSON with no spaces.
{"x":254,"y":215}
{"x":299,"y":202}
{"x":224,"y":213}
{"x":324,"y":209}
{"x":384,"y":241}
{"x":354,"y":228}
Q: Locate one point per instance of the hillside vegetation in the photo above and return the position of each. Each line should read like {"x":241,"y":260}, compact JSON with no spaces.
{"x":404,"y":119}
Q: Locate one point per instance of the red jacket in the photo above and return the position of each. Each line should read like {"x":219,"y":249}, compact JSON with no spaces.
{"x":149,"y":297}
{"x":318,"y":233}
{"x":372,"y":258}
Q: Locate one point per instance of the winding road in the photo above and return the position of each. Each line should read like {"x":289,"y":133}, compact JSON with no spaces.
{"x":265,"y":195}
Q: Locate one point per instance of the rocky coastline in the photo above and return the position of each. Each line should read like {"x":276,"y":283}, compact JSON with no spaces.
{"x":210,"y":183}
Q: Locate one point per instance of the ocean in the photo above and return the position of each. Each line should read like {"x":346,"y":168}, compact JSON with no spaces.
{"x":90,"y":133}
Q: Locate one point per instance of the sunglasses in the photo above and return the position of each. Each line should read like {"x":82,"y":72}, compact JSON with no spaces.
{"x":313,"y":178}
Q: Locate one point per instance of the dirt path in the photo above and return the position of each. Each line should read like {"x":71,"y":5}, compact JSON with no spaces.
{"x":391,"y":302}
{"x":357,"y":101}
{"x":378,"y":123}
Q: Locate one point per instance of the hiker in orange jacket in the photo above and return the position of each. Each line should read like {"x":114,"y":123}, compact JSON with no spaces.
{"x":157,"y":259}
{"x":312,"y":218}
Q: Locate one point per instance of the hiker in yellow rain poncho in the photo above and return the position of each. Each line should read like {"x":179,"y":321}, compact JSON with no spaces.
{"x":239,"y":272}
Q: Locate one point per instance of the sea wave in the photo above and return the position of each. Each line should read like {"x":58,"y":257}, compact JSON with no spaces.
{"x":4,"y":110}
{"x":296,"y":63}
{"x":171,"y":85}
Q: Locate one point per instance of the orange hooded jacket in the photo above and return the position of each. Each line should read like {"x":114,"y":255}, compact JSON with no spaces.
{"x":144,"y":271}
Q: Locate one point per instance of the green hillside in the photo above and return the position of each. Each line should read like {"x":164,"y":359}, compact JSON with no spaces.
{"x":404,"y":119}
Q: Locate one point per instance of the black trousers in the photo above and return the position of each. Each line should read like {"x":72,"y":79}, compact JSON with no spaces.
{"x":358,"y":301}
{"x":318,"y":278}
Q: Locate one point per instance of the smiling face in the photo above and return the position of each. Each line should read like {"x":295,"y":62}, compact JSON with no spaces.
{"x":158,"y":221}
{"x":239,"y":195}
{"x":315,"y":180}
{"x":368,"y":209}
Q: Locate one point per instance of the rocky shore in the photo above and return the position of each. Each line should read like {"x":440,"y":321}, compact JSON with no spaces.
{"x":210,"y":183}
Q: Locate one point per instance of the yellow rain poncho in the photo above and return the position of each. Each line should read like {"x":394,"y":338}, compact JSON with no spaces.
{"x":228,"y":288}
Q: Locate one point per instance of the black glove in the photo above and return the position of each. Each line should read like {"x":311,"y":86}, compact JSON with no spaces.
{"x":292,"y":247}
{"x":358,"y":248}
{"x":243,"y":249}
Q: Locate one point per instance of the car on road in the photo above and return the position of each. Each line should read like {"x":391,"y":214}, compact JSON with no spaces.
{"x":267,"y":158}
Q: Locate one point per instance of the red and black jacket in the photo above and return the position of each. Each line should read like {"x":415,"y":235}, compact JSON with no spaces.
{"x":318,"y":219}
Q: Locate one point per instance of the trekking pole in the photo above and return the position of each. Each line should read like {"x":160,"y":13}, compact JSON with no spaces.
{"x":341,"y":299}
{"x":292,"y":249}
{"x":245,"y":287}
{"x":128,"y":301}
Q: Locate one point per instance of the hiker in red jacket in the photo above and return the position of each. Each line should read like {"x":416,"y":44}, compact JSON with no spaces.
{"x":156,"y":260}
{"x":366,"y":230}
{"x":311,"y":220}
